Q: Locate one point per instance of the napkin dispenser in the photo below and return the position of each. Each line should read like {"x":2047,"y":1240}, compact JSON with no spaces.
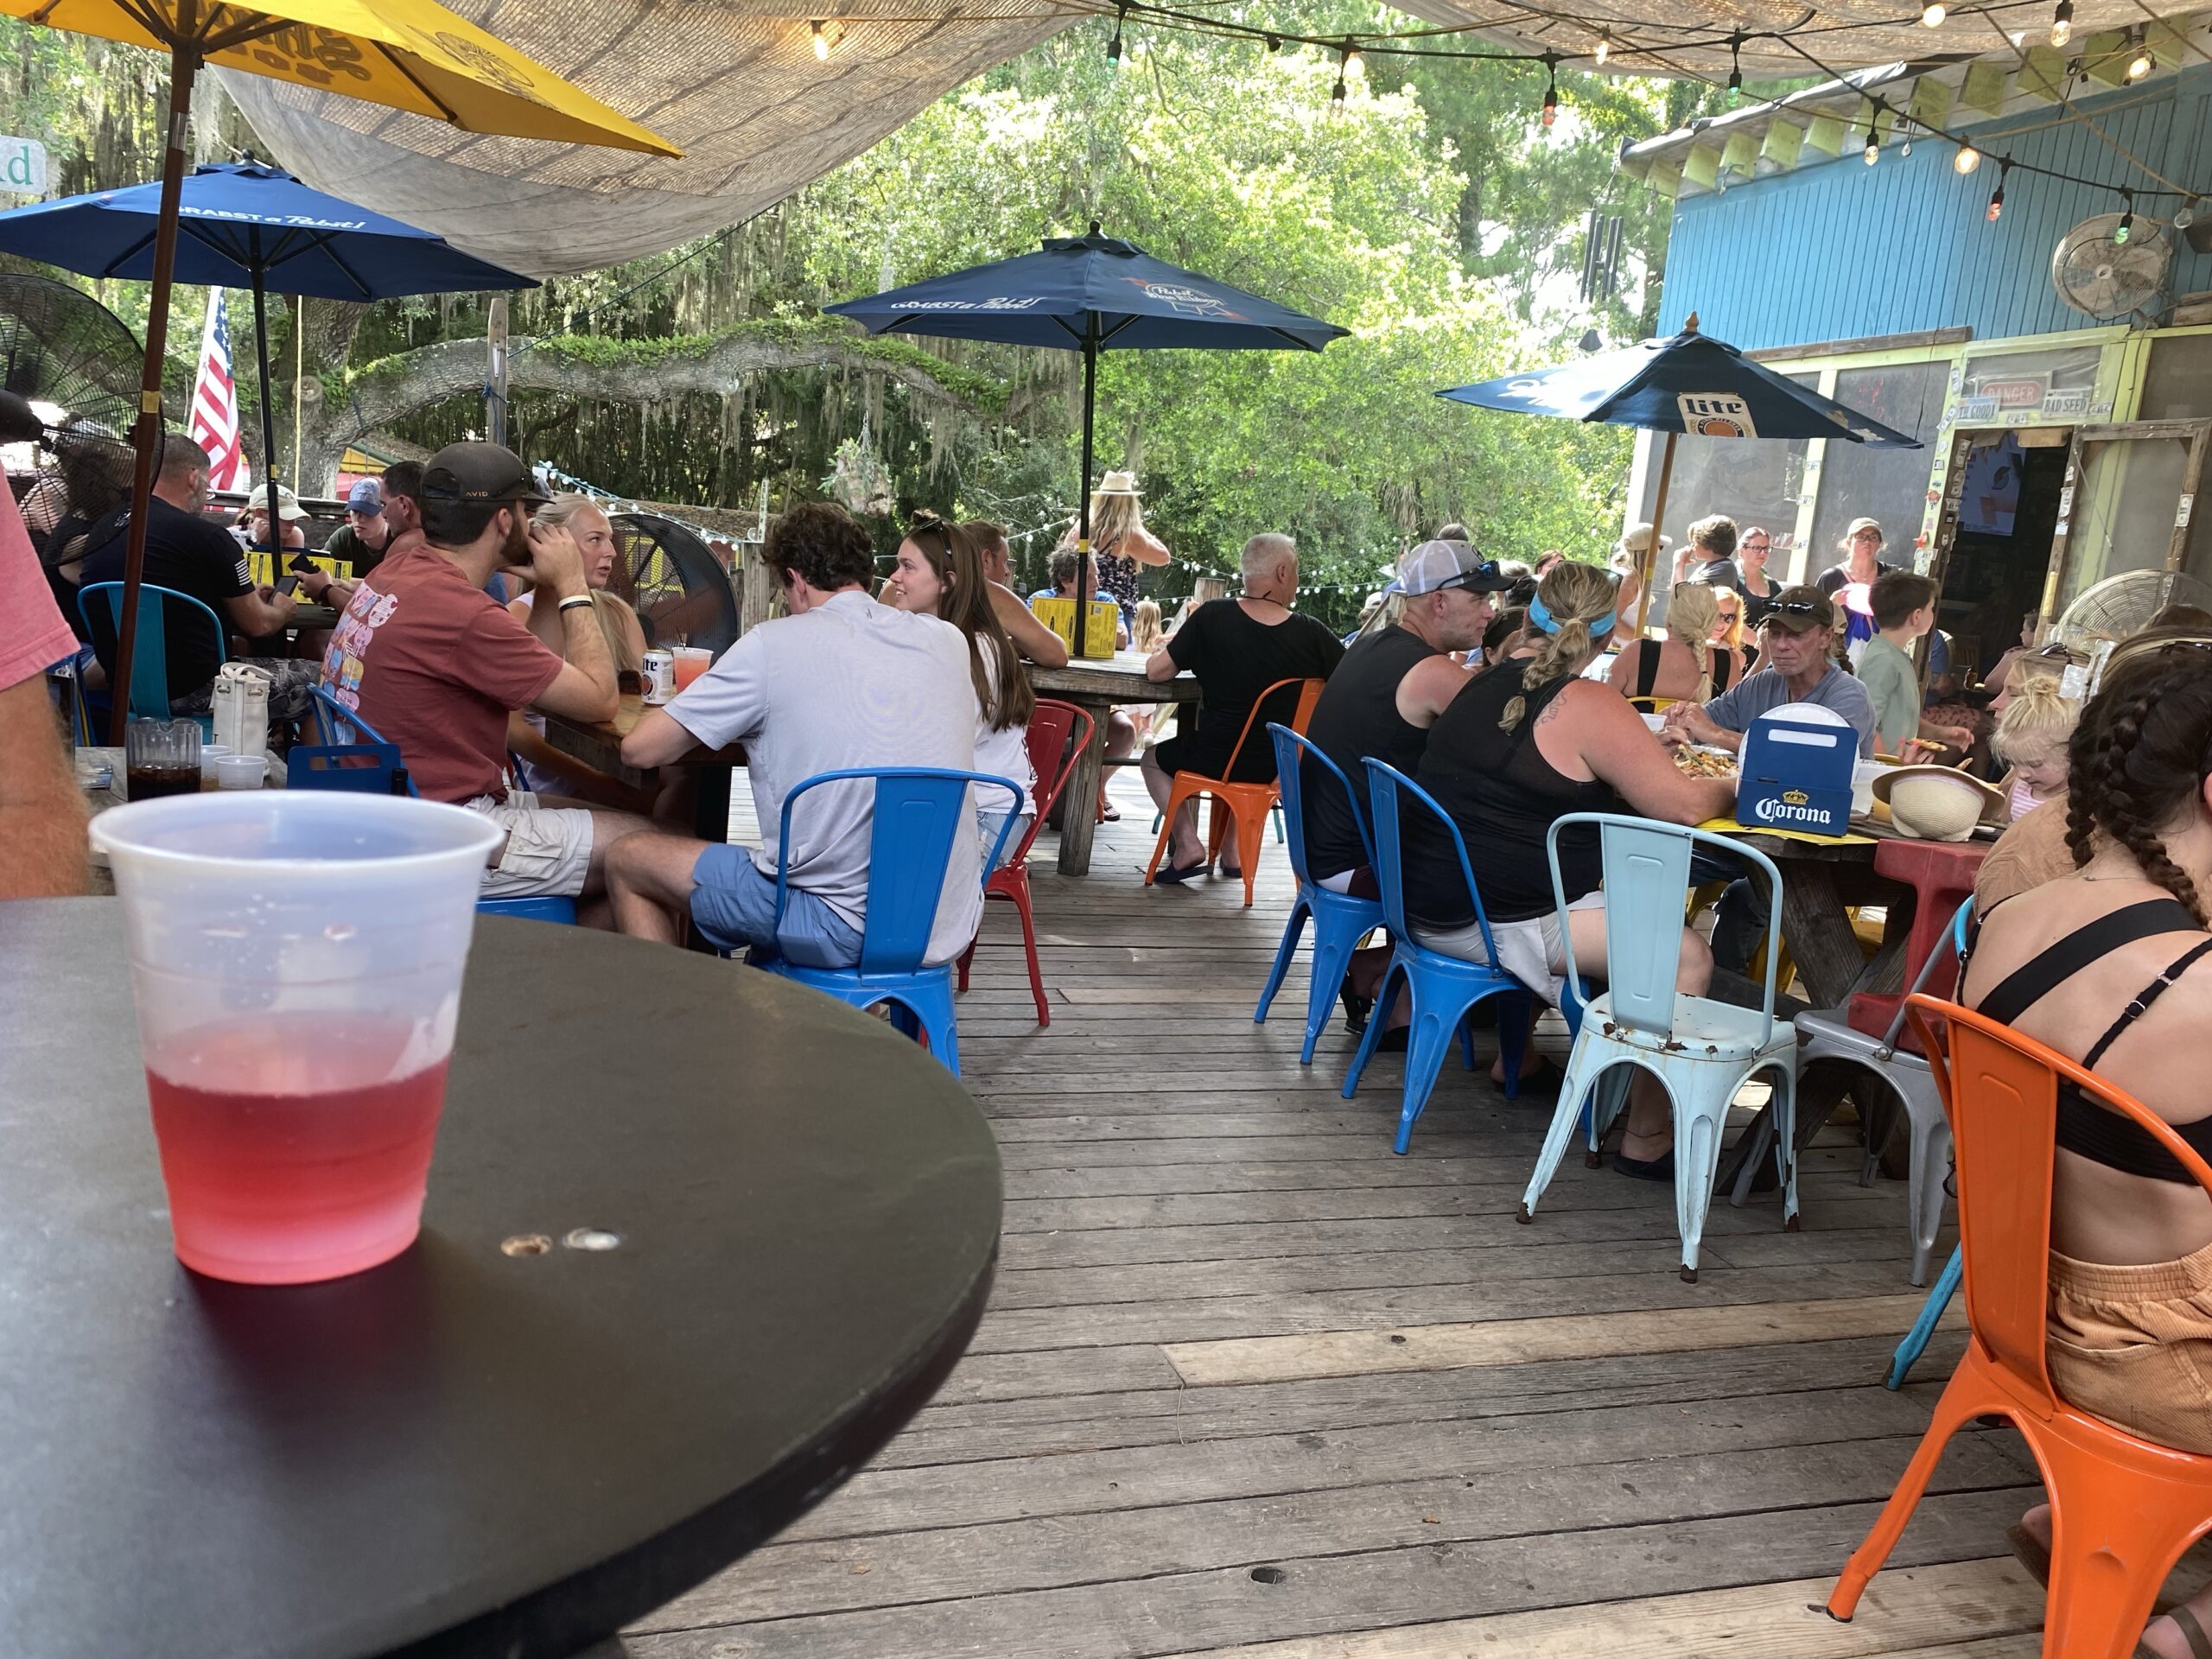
{"x":1104,"y":622}
{"x":1796,"y":772}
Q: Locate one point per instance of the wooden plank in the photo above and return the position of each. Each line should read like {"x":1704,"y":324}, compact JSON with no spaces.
{"x":1918,"y":1604}
{"x":1513,"y":1342}
{"x":1180,"y":1612}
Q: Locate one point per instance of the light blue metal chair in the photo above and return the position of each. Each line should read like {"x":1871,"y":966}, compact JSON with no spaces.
{"x":1340,"y":921}
{"x":1443,"y":988}
{"x":918,"y":811}
{"x":1701,"y":1051}
{"x":1828,"y":1034}
{"x":331,"y":765}
{"x":150,"y":655}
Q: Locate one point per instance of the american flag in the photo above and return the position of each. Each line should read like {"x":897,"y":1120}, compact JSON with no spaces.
{"x":215,"y":402}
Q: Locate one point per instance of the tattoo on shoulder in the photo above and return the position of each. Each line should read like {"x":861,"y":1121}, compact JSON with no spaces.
{"x":1550,"y":710}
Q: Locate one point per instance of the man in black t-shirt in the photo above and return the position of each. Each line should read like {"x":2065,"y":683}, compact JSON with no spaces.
{"x":190,"y":554}
{"x":1236,"y":648}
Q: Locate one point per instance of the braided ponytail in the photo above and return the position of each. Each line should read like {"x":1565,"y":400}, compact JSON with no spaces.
{"x":1693,"y":612}
{"x":1576,"y":595}
{"x":2138,"y":762}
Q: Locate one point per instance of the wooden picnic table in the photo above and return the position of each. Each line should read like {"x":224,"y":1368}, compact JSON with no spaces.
{"x":1821,"y":883}
{"x":597,"y":744}
{"x":1097,"y":686}
{"x":644,"y":1327}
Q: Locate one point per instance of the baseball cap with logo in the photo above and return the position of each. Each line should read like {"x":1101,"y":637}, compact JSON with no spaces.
{"x":1435,"y":566}
{"x":479,"y":474}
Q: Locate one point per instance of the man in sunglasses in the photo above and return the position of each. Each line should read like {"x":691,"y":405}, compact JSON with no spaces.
{"x":1798,"y":669}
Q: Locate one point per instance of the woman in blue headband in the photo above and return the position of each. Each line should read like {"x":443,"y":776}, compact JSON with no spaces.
{"x":1526,"y":743}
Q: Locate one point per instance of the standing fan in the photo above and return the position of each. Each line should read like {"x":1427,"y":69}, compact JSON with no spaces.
{"x":2107,"y":276}
{"x":2119,"y":606}
{"x":682,"y":595}
{"x":72,"y":360}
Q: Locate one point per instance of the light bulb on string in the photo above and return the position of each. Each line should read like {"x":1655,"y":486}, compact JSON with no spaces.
{"x":2138,"y":63}
{"x":2062,"y":24}
{"x":1605,"y":48}
{"x":1933,"y":14}
{"x":1735,"y":70}
{"x":1550,"y":112}
{"x":1967,"y":160}
{"x":1275,"y":42}
{"x":1355,"y":64}
{"x":1997,"y":196}
{"x":1337,"y":93}
{"x":1905,"y":150}
{"x":2125,"y":228}
{"x":821,"y":43}
{"x":1873,"y":150}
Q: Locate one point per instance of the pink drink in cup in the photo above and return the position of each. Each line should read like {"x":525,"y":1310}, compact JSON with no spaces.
{"x":692,"y":661}
{"x":297,"y":962}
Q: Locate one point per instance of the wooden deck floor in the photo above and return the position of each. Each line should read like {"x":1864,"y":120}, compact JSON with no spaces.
{"x":1250,"y":1385}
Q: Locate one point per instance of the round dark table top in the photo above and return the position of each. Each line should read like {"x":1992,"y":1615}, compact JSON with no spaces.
{"x":468,"y":1451}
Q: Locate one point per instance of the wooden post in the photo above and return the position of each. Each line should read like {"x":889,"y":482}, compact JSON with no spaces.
{"x":756,"y":590}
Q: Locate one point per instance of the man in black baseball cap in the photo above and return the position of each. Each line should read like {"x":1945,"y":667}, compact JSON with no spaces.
{"x":435,"y":665}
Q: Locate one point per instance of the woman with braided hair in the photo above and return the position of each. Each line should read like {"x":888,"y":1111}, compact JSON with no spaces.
{"x":1523,"y":745}
{"x":2109,"y":965}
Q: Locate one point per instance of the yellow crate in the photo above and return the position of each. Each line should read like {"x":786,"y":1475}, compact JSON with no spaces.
{"x":1058,"y":615}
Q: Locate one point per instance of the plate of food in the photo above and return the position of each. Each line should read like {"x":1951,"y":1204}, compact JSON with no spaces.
{"x":1705,"y":760}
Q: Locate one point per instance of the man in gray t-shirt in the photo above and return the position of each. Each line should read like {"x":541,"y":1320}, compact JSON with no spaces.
{"x":841,"y":683}
{"x":1795,"y":636}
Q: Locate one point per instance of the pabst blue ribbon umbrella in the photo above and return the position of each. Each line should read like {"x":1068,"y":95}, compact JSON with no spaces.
{"x":1090,"y":294}
{"x":1692,"y":383}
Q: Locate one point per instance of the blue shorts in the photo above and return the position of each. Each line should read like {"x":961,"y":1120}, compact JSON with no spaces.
{"x":734,"y":907}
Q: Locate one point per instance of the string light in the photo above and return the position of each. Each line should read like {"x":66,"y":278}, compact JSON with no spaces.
{"x":1355,"y":65}
{"x":1967,"y":160}
{"x":1550,"y":112}
{"x":1114,"y":46}
{"x":1605,"y":48}
{"x":1336,"y":92}
{"x":1275,"y":42}
{"x":2126,"y":225}
{"x":1906,"y":152}
{"x":1873,"y":150}
{"x":2062,"y":24}
{"x":1997,"y":196}
{"x":821,"y":43}
{"x":1933,"y":14}
{"x":1735,"y":70}
{"x":2140,"y":64}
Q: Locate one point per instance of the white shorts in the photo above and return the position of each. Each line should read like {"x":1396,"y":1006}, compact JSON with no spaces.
{"x":548,"y":852}
{"x":1532,"y":951}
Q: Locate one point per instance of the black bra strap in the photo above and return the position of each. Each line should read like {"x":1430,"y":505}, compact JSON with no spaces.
{"x":2143,"y":999}
{"x":2059,"y":962}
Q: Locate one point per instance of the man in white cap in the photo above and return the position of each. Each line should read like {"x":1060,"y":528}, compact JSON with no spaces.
{"x":289,"y":510}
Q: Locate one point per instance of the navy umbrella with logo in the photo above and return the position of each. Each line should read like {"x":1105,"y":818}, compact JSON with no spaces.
{"x":1692,"y":383}
{"x":1090,"y":294}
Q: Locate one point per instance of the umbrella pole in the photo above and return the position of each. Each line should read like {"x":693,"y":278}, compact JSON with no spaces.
{"x":1651,"y":548}
{"x":1083,"y":499}
{"x":184,"y":64}
{"x":267,"y":404}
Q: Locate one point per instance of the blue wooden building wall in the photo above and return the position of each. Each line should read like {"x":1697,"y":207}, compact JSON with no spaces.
{"x":1841,"y":250}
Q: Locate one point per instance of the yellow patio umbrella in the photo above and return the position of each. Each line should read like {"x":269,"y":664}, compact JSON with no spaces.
{"x":406,"y":55}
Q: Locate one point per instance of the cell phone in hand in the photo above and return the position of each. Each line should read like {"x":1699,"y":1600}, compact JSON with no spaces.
{"x":303,"y":563}
{"x":287,"y":584}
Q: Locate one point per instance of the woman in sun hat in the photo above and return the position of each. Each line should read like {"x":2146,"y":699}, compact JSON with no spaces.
{"x":1119,"y":538}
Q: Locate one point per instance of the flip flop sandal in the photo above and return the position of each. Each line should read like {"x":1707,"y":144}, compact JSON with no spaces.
{"x":1176,"y":875}
{"x":2034,"y":1557}
{"x":1545,"y":1079}
{"x":2200,"y":1644}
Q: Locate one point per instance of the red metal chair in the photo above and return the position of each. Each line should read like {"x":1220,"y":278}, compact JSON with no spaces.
{"x":2122,"y":1509}
{"x":1051,"y":755}
{"x":1248,"y":803}
{"x":1941,"y":874}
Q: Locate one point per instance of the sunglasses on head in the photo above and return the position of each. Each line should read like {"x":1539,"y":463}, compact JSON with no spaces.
{"x":1486,"y":571}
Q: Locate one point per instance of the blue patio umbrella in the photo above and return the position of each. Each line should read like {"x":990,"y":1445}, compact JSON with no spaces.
{"x":1692,"y":383}
{"x":249,"y":225}
{"x":1090,"y":294}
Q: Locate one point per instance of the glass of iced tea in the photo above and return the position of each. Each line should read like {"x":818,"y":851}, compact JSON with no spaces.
{"x":692,"y":661}
{"x":296,"y":961}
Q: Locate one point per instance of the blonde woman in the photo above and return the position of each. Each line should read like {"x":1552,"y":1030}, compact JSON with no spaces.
{"x":1119,"y":538}
{"x":1685,"y":663}
{"x":544,"y":769}
{"x":1526,"y":743}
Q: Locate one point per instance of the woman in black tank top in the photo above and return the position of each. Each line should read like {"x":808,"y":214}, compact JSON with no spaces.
{"x":2108,"y":967}
{"x":1689,"y":665}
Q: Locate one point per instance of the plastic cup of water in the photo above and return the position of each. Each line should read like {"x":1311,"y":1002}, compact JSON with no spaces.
{"x":296,"y":961}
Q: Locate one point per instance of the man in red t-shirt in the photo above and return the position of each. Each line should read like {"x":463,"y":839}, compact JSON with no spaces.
{"x":433,"y":664}
{"x":41,"y":809}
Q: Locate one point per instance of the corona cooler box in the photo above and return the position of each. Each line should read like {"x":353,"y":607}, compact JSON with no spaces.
{"x":1058,"y":615}
{"x":1797,"y":771}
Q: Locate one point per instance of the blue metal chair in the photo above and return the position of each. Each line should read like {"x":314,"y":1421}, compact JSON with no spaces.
{"x":331,"y":765}
{"x":1701,"y":1051}
{"x":1828,"y":1034}
{"x":1443,"y":988}
{"x":918,"y":811}
{"x":1340,"y":921}
{"x":149,"y":657}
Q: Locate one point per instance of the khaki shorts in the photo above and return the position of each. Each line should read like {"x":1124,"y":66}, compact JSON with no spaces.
{"x":548,"y":852}
{"x":1532,"y":951}
{"x":2134,"y":1345}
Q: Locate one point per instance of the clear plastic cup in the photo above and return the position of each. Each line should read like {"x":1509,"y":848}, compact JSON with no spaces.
{"x":296,"y":960}
{"x":692,"y":661}
{"x":209,"y":754}
{"x":241,"y":771}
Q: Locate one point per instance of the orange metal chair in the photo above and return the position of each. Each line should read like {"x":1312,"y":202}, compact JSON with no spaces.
{"x":1052,"y":758}
{"x":1248,"y":803}
{"x":2122,"y":1509}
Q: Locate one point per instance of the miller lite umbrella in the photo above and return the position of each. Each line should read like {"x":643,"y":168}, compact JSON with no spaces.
{"x":1090,"y":294}
{"x":1692,"y":383}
